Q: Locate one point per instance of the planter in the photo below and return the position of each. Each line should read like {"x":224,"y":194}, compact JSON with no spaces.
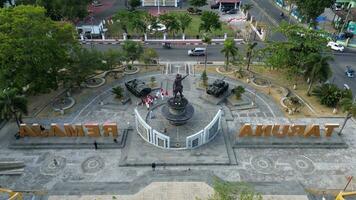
{"x":222,"y":71}
{"x":95,"y":82}
{"x":133,"y":70}
{"x":63,"y":103}
{"x":260,"y":82}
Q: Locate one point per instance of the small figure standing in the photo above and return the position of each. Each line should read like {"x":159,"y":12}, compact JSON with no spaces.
{"x":55,"y":162}
{"x":95,"y":145}
{"x":153,"y":166}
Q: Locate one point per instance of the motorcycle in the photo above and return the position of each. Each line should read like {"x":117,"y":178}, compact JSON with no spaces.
{"x":167,"y":45}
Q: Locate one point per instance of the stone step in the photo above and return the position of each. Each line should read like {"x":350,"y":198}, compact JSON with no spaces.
{"x":10,"y":165}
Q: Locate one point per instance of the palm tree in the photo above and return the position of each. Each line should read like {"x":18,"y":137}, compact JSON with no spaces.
{"x":229,"y":50}
{"x":12,"y":105}
{"x":246,"y":7}
{"x":349,"y":106}
{"x":207,"y":40}
{"x":184,"y":22}
{"x":171,"y":22}
{"x":249,"y":47}
{"x":318,"y":69}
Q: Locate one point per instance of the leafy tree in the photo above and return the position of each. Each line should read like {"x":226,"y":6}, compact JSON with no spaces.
{"x":318,"y":69}
{"x":83,"y":63}
{"x":204,"y":78}
{"x":197,"y":3}
{"x":33,"y":49}
{"x":61,"y":9}
{"x":132,"y":50}
{"x":112,"y":58}
{"x":138,"y":21}
{"x":170,"y":21}
{"x":12,"y":105}
{"x":330,"y":95}
{"x":311,"y":9}
{"x":118,"y":91}
{"x":124,"y":19}
{"x":238,"y":91}
{"x":230,"y":51}
{"x":209,"y":21}
{"x":250,"y":49}
{"x":246,"y":7}
{"x":134,"y":4}
{"x":293,"y":53}
{"x":149,"y":56}
{"x":184,"y":21}
{"x":349,"y":106}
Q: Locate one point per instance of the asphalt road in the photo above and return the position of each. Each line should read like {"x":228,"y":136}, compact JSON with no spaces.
{"x":179,"y":54}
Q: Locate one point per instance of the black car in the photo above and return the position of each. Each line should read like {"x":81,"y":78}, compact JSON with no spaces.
{"x":215,"y":6}
{"x":138,"y":88}
{"x":232,"y":11}
{"x":226,"y":9}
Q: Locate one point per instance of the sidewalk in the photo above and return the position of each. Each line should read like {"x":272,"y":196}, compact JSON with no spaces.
{"x":171,"y":191}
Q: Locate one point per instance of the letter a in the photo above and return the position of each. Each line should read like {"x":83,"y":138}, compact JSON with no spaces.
{"x":246,"y":130}
{"x":312,"y":130}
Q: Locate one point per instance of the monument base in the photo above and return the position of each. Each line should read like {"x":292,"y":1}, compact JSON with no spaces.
{"x":177,"y":111}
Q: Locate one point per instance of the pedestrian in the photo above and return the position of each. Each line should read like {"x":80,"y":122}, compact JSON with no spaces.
{"x":115,"y":140}
{"x":153,"y":166}
{"x":95,"y":145}
{"x":42,"y":128}
{"x":55,"y":162}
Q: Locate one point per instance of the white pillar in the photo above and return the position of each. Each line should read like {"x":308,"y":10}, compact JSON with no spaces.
{"x":183,"y":37}
{"x":219,"y":6}
{"x":164,"y":2}
{"x":164,"y":36}
{"x":143,"y":3}
{"x":124,"y":36}
{"x":155,"y":2}
{"x":103,"y":36}
{"x":235,"y":5}
{"x":81,"y":37}
{"x":225,"y":36}
{"x":176,"y":3}
{"x":145,"y":36}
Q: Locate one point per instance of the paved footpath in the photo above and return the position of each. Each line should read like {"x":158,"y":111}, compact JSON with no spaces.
{"x":92,"y":174}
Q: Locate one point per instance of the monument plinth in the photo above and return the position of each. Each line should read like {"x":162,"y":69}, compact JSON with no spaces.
{"x":178,"y":111}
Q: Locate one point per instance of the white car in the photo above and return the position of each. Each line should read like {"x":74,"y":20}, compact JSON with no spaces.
{"x":197,"y":52}
{"x":335,"y":46}
{"x":159,"y":28}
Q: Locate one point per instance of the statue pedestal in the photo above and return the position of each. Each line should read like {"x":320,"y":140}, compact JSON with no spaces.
{"x":178,"y":111}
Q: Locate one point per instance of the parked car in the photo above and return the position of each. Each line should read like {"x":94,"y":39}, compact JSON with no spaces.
{"x":194,"y":11}
{"x":232,"y":11}
{"x":335,"y":46}
{"x":226,"y":9}
{"x":215,"y":6}
{"x":349,"y":72}
{"x":197,"y":52}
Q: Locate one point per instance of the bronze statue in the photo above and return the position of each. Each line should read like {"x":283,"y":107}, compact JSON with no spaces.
{"x":177,"y":85}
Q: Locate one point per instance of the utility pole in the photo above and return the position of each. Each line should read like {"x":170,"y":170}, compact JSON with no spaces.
{"x":346,"y":19}
{"x":158,"y":11}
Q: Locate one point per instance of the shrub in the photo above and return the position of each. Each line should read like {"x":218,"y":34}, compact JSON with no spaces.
{"x":204,"y":78}
{"x":238,"y":91}
{"x":118,"y":91}
{"x":330,"y":94}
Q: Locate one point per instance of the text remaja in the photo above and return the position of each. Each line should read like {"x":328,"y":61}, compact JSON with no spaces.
{"x":69,"y":130}
{"x":281,"y":131}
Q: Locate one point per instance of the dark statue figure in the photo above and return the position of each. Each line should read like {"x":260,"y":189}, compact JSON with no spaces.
{"x":177,"y":85}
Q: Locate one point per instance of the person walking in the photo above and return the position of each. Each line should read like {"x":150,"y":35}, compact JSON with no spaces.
{"x":95,"y":145}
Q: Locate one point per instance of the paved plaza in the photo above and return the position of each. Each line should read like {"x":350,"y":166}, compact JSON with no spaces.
{"x":126,"y":170}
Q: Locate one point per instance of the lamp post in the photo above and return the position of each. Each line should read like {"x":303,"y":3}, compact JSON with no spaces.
{"x":158,"y":11}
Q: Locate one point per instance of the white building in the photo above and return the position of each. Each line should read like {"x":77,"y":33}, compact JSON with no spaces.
{"x":91,"y":29}
{"x":174,"y":3}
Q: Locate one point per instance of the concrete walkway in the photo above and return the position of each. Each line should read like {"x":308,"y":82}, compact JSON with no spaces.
{"x":170,"y":191}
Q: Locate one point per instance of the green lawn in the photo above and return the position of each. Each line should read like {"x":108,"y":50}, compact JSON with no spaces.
{"x":191,"y":32}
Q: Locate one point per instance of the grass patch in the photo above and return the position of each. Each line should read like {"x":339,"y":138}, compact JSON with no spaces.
{"x":115,"y":31}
